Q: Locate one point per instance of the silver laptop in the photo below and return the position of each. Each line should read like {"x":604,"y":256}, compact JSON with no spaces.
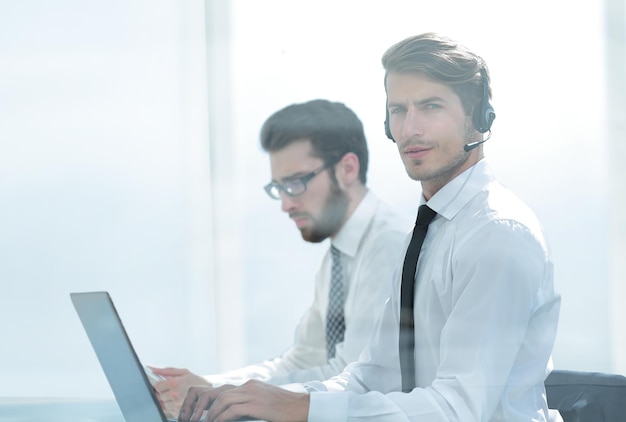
{"x":132,"y":389}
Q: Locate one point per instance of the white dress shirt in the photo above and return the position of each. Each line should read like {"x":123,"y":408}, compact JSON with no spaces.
{"x":371,"y":244}
{"x":486,"y":315}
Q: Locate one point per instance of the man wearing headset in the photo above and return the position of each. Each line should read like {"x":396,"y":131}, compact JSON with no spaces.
{"x":485,"y":312}
{"x":319,"y":158}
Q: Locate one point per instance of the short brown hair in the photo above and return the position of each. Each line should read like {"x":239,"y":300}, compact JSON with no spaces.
{"x":333,"y":129}
{"x":441,"y":59}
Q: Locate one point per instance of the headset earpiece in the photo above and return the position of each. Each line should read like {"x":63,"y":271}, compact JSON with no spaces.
{"x":483,"y":114}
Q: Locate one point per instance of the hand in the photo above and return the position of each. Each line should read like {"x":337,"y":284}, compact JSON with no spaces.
{"x":173,"y":389}
{"x":254,"y":399}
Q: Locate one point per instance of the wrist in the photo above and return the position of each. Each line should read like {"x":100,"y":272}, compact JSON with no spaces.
{"x":304,"y":402}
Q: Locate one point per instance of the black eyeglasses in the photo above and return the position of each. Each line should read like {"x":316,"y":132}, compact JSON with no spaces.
{"x":292,"y":187}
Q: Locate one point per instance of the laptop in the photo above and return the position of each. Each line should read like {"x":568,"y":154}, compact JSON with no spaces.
{"x":126,"y":376}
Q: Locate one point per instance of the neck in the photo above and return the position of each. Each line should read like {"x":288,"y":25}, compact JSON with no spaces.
{"x":355,"y":196}
{"x":431,"y":187}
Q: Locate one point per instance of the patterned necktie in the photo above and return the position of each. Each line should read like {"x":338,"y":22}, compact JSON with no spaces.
{"x":407,"y":296}
{"x":335,"y":321}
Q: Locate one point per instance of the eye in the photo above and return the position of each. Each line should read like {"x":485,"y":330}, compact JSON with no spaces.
{"x":397,"y":110}
{"x":290,"y":184}
{"x":432,"y":106}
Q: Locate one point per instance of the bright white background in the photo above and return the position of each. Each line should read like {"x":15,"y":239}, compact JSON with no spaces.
{"x":130,"y":163}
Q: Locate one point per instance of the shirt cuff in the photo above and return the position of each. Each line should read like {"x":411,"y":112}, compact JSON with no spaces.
{"x":328,"y":406}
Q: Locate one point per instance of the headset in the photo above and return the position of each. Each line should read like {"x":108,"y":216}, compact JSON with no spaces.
{"x":482,"y":116}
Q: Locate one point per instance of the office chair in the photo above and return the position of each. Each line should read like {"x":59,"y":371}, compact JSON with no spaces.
{"x":587,"y":396}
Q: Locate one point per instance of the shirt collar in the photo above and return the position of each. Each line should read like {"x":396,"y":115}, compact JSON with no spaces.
{"x":451,"y":198}
{"x":349,"y":236}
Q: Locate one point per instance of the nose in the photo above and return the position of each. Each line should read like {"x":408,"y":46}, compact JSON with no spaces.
{"x":413,"y":124}
{"x":287,"y":202}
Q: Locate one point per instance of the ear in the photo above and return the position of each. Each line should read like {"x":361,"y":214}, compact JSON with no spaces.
{"x":347,"y":170}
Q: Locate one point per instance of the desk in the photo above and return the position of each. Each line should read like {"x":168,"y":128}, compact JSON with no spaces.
{"x":18,"y":409}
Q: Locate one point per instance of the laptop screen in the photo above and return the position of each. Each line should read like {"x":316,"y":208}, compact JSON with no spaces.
{"x":118,"y":359}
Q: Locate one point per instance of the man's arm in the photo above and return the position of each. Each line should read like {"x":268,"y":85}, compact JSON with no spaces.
{"x":305,"y":360}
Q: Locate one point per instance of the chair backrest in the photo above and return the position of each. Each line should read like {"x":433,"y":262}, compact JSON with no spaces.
{"x":587,"y":396}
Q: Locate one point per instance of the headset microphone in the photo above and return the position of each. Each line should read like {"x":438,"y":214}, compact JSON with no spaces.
{"x":472,"y":145}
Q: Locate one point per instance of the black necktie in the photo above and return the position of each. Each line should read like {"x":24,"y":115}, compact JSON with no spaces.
{"x":407,"y":296}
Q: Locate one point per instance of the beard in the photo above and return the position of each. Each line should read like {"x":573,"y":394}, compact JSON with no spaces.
{"x":332,"y":217}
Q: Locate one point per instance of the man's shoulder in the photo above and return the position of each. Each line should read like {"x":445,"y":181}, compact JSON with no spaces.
{"x":390,"y":218}
{"x":500,"y":209}
{"x":388,"y":228}
{"x":503,"y":204}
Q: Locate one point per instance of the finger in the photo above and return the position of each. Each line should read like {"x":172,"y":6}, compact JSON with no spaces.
{"x":169,"y":372}
{"x":188,"y":403}
{"x":206,"y":396}
{"x":229,"y":405}
{"x":191,"y":402}
{"x":204,"y":400}
{"x":231,"y":413}
{"x":161,"y":386}
{"x":165,"y":400}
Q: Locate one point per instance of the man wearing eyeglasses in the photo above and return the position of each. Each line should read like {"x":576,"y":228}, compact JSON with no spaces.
{"x":319,"y":157}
